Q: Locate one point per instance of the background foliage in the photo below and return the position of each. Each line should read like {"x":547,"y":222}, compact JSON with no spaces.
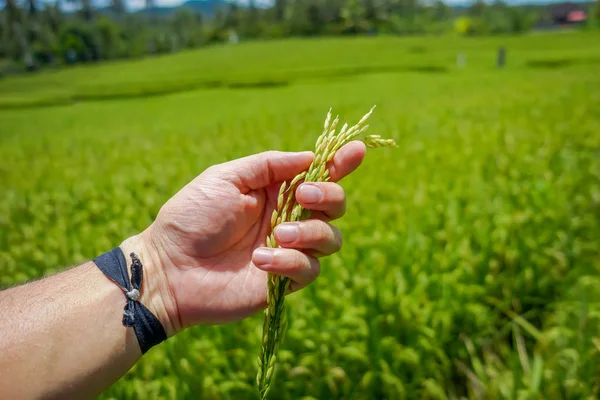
{"x":37,"y":33}
{"x":470,"y":267}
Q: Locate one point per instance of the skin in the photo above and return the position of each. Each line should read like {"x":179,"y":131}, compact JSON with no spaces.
{"x":205,"y":262}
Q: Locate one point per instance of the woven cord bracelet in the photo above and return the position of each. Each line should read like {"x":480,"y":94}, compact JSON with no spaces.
{"x":148,"y":329}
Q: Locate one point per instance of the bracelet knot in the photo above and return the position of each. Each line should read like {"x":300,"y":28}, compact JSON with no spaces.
{"x":148,"y":329}
{"x":133,"y":294}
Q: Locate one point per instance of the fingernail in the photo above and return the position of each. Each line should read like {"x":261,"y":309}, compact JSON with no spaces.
{"x":311,"y":193}
{"x":262,"y":256}
{"x":287,"y":233}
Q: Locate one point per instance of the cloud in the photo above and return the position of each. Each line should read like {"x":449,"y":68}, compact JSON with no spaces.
{"x":137,"y":4}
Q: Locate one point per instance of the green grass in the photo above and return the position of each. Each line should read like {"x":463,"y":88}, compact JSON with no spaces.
{"x":290,"y":61}
{"x":470,"y":266}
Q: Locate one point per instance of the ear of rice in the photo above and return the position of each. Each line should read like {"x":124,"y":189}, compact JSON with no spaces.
{"x":288,"y":210}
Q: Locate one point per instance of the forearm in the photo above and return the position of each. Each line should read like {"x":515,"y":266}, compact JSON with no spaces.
{"x":62,"y":336}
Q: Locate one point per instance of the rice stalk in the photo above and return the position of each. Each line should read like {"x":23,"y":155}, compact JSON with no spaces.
{"x":288,"y":210}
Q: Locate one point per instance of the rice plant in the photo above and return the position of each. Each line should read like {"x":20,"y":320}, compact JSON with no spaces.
{"x":289,"y":210}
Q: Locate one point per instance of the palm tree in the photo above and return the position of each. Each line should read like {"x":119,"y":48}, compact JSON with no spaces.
{"x":85,"y":8}
{"x":118,"y":6}
{"x":18,"y":46}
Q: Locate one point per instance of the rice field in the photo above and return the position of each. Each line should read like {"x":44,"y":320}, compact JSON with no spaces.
{"x":470,"y":267}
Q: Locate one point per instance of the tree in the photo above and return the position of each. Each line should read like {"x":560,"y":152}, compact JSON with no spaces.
{"x":280,"y":10}
{"x":32,"y":7}
{"x":594,"y":19}
{"x":477,"y":9}
{"x":16,"y":34}
{"x":187,"y":27}
{"x":109,"y":38}
{"x":87,"y":10}
{"x":373,"y":11}
{"x":521,"y":20}
{"x":32,"y":32}
{"x":251,"y":27}
{"x":441,"y":11}
{"x":352,"y":15}
{"x":232,"y":19}
{"x":117,"y":6}
{"x":52,"y":17}
{"x":32,"y":25}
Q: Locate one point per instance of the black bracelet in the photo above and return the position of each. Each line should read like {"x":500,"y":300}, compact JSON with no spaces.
{"x":148,"y":329}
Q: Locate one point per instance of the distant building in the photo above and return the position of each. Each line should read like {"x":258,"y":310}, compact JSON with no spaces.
{"x":566,"y":14}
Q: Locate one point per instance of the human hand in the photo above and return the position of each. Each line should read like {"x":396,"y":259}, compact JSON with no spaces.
{"x":204,"y":256}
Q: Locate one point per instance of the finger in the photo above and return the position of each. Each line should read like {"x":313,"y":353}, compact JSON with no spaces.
{"x":301,"y":268}
{"x":319,"y":237}
{"x":259,"y":170}
{"x":347,"y":159}
{"x":327,"y":197}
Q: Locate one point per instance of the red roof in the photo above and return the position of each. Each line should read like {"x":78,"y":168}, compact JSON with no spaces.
{"x":576,"y":16}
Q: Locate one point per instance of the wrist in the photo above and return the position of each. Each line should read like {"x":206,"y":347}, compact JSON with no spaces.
{"x":155,"y":294}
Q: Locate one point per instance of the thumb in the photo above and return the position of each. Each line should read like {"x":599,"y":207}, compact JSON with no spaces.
{"x":260,"y":170}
